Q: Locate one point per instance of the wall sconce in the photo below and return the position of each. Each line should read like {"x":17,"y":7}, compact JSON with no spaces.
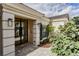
{"x":38,"y":23}
{"x":10,"y":22}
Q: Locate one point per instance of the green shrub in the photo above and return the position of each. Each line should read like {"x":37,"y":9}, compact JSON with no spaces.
{"x":49,"y":30}
{"x":66,"y":42}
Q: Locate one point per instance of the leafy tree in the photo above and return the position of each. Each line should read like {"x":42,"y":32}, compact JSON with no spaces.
{"x":66,"y":42}
{"x":76,"y":20}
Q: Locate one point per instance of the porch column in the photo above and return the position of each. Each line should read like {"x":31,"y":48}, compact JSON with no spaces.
{"x":8,"y":34}
{"x":36,"y":33}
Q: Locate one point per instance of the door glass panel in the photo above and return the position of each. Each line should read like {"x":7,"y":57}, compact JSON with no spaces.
{"x":17,"y":27}
{"x":19,"y":32}
{"x":22,"y":24}
{"x":22,"y":28}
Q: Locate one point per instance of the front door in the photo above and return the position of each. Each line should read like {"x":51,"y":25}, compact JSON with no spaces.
{"x":19,"y":32}
{"x":23,"y":31}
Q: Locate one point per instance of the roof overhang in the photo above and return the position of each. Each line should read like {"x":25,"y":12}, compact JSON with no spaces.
{"x":22,"y":10}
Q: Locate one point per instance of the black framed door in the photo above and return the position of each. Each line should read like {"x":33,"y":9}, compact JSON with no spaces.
{"x":20,"y":32}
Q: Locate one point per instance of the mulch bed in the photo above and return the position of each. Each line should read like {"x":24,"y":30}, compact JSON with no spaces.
{"x":45,"y":45}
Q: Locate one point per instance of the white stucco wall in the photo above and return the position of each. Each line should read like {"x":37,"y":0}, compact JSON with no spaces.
{"x":44,"y":21}
{"x":59,"y":21}
{"x":8,"y":34}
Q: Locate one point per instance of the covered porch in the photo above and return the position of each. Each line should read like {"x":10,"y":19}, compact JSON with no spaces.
{"x":20,"y":25}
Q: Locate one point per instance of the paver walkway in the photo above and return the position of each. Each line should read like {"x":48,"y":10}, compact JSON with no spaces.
{"x":41,"y":51}
{"x":31,"y":50}
{"x":24,"y":49}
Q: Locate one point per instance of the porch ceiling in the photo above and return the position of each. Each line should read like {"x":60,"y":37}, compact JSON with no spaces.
{"x":20,"y":17}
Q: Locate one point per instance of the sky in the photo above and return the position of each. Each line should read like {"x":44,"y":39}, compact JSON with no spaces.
{"x":54,"y":9}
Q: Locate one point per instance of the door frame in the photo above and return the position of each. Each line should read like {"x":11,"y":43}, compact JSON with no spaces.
{"x":27,"y":25}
